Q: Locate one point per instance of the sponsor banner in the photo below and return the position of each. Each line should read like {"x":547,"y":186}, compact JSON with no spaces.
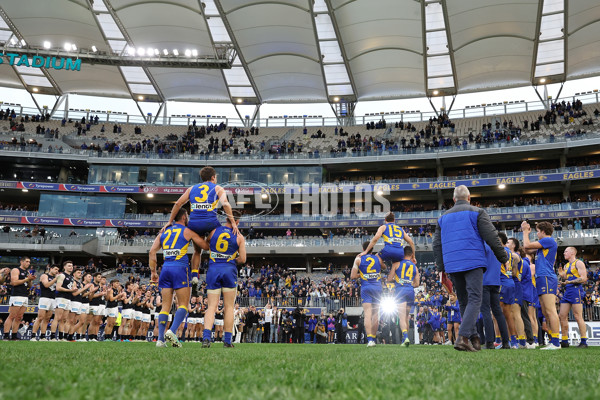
{"x":291,"y":223}
{"x":593,"y":332}
{"x":30,"y":309}
{"x":40,"y":186}
{"x":81,"y":188}
{"x":325,"y":188}
{"x":120,"y":189}
{"x":86,"y":222}
{"x":45,"y":221}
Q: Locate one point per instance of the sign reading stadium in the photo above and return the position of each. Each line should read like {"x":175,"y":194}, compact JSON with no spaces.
{"x":21,"y":60}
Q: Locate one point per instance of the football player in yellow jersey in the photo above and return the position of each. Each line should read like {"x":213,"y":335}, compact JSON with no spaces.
{"x":574,"y":274}
{"x":406,"y":276}
{"x":394,"y":238}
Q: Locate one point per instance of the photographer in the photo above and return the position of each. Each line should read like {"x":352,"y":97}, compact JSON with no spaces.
{"x":341,"y":326}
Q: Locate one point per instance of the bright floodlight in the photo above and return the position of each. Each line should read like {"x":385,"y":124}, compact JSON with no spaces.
{"x":141,"y":51}
{"x":188,"y":53}
{"x":131,"y":51}
{"x":150,"y":51}
{"x":73,"y":47}
{"x":195,"y":53}
{"x":13,"y":41}
{"x":47,"y":44}
{"x":435,"y":92}
{"x":94,"y":49}
{"x":66,"y":46}
{"x":23,"y":42}
{"x":501,"y":186}
{"x":176,"y":52}
{"x":165,"y":52}
{"x":264,"y":196}
{"x":380,"y":192}
{"x":388,"y":305}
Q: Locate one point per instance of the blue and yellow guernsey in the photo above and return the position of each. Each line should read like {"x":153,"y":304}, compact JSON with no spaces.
{"x":203,"y":201}
{"x":370,"y":269}
{"x":572,"y":273}
{"x":175,"y":246}
{"x":393,"y":235}
{"x":405,"y":274}
{"x":223,"y":247}
{"x":506,"y":273}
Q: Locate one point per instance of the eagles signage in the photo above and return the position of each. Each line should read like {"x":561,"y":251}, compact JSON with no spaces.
{"x":22,"y":60}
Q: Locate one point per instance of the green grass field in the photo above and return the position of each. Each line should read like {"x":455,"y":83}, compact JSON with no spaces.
{"x":263,"y":371}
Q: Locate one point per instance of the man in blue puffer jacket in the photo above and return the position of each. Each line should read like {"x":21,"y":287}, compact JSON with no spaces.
{"x":458,"y":247}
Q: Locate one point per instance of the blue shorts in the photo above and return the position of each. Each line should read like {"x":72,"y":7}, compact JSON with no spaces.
{"x":546,"y":285}
{"x":405,"y":295}
{"x":507,"y":294}
{"x":518,"y":293}
{"x":174,"y":277}
{"x":535,"y":299}
{"x":391,"y":254}
{"x":221,"y":275}
{"x":370,"y":293}
{"x":573,"y":295}
{"x":203,"y":226}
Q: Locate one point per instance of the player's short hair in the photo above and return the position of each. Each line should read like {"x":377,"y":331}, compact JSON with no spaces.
{"x":574,"y":249}
{"x":390,"y":217}
{"x":517,"y":244}
{"x":25,"y":258}
{"x":503,"y":237}
{"x":237,"y":215}
{"x":64,"y":264}
{"x":207,"y":173}
{"x":408,"y":251}
{"x":365,"y":245}
{"x":113,"y":281}
{"x":182,"y":211}
{"x":97,"y":273}
{"x":545,"y":227}
{"x":461,"y":193}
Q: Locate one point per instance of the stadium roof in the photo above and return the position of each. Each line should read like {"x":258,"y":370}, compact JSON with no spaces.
{"x":304,"y":50}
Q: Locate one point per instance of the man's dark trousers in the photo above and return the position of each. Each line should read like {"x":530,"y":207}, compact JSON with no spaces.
{"x":469,"y":288}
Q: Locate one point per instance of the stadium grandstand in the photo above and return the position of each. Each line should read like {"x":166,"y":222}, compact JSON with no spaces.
{"x":114,"y":114}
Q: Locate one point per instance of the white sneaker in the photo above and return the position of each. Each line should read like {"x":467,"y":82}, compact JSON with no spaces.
{"x":551,"y":347}
{"x":172,"y":339}
{"x":43,"y":340}
{"x":195,"y":280}
{"x":160,"y":343}
{"x":530,"y":346}
{"x":448,"y":343}
{"x":93,"y":340}
{"x":371,"y":344}
{"x":406,"y":343}
{"x":33,"y":339}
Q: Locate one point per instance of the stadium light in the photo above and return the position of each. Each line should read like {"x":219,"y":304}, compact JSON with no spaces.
{"x":67,"y":46}
{"x":436,"y":92}
{"x":336,"y":99}
{"x":165,"y":52}
{"x":24,"y":190}
{"x":380,"y":192}
{"x":35,"y":89}
{"x":502,"y":186}
{"x":176,"y":52}
{"x":13,"y":41}
{"x":141,"y":51}
{"x":141,"y":98}
{"x":94,"y":49}
{"x":156,"y":52}
{"x":543,"y":80}
{"x":47,"y":44}
{"x":150,"y":195}
{"x":188,"y":53}
{"x":239,"y":100}
{"x":264,"y":196}
{"x":195,"y":53}
{"x":131,"y":51}
{"x":23,"y":42}
{"x":150,"y":51}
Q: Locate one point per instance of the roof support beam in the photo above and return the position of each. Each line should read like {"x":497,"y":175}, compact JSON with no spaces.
{"x":238,"y":49}
{"x":336,"y":29}
{"x":117,"y":20}
{"x":318,"y":44}
{"x":450,"y":46}
{"x":566,"y":40}
{"x":58,"y":103}
{"x":536,"y":41}
{"x":424,"y":38}
{"x":20,"y":37}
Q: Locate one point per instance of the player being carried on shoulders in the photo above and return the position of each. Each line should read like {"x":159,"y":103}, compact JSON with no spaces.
{"x":394,"y":238}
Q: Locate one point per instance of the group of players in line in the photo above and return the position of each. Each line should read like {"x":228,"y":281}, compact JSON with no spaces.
{"x":82,"y":300}
{"x":513,"y":292}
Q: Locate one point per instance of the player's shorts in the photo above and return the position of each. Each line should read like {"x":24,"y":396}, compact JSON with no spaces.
{"x":371,"y":293}
{"x":75,"y":307}
{"x":405,"y":295}
{"x":47,"y":304}
{"x":391,"y":254}
{"x":218,"y":322}
{"x":201,"y":321}
{"x":63,"y":304}
{"x":18,"y":301}
{"x":101,"y":310}
{"x":174,"y":277}
{"x":507,"y":294}
{"x":112,"y":312}
{"x":137,"y":315}
{"x":84,"y":309}
{"x":191,"y":321}
{"x":518,"y":293}
{"x":574,"y":294}
{"x":536,"y":300}
{"x":127,"y":313}
{"x":546,"y":285}
{"x":145,"y":318}
{"x":203,"y":226}
{"x":221,"y":275}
